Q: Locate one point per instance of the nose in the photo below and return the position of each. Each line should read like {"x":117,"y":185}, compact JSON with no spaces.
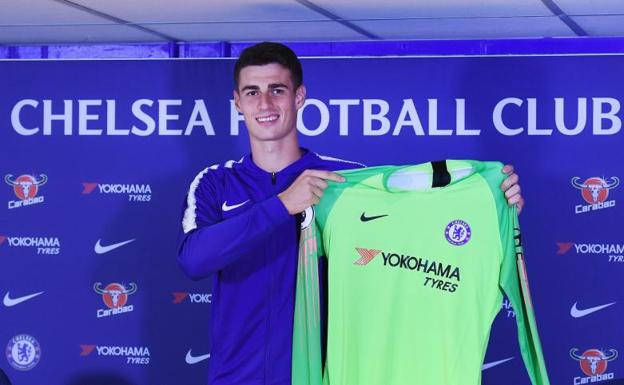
{"x":265,"y":101}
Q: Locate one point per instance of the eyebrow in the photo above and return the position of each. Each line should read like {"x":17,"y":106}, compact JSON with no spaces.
{"x":278,"y":85}
{"x":271,"y":86}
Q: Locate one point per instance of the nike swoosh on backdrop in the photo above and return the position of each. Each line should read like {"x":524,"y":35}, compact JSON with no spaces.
{"x":225,"y":206}
{"x":99,"y":249}
{"x":364,"y":218}
{"x":8,"y":301}
{"x":576,"y":313}
{"x":495,"y":363}
{"x":191,"y":360}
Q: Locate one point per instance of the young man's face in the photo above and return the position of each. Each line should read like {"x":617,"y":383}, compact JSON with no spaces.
{"x":267,"y":99}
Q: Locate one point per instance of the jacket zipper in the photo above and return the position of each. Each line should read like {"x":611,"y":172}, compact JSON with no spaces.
{"x":267,"y":355}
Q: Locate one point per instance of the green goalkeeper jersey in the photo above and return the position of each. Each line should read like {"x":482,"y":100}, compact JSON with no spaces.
{"x":418,"y":260}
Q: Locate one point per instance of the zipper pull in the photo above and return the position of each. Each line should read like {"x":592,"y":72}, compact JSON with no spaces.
{"x":273,"y":177}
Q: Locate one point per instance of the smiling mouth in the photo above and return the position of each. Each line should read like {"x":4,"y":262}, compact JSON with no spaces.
{"x":267,"y":119}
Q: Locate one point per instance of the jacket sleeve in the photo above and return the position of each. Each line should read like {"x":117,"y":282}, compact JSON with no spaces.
{"x":209,"y":243}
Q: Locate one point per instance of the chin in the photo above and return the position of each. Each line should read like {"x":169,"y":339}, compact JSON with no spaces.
{"x":270,"y":136}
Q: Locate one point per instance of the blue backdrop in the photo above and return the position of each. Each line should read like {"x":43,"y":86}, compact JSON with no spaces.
{"x":98,"y":155}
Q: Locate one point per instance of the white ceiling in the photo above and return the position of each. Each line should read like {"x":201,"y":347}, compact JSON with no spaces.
{"x":120,"y":21}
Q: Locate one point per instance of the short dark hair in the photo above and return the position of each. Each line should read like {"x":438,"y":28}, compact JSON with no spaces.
{"x":267,"y":53}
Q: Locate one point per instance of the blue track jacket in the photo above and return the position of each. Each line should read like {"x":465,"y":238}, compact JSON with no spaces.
{"x":237,"y":229}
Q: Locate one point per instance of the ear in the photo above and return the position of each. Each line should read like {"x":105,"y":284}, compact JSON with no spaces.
{"x":237,"y":100}
{"x":300,"y":94}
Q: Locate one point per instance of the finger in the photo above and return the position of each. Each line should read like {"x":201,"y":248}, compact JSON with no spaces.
{"x":318,"y":192}
{"x":520,"y":205}
{"x":514,"y":200}
{"x":508,"y":169}
{"x":509,"y":181}
{"x":327,"y":175}
{"x":513,"y":190}
{"x":320,"y":183}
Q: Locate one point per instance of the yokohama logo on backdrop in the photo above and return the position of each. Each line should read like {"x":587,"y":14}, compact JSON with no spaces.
{"x":135,"y":192}
{"x":197,"y":298}
{"x":25,"y":188}
{"x":613,"y":251}
{"x":134,"y":355}
{"x":593,"y":363}
{"x":595,"y":192}
{"x":507,"y":309}
{"x":43,"y":245}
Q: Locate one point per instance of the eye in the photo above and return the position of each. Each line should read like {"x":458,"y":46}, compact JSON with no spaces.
{"x":251,"y":93}
{"x":277,"y":91}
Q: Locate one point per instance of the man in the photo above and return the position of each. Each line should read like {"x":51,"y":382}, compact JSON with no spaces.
{"x":241,"y":222}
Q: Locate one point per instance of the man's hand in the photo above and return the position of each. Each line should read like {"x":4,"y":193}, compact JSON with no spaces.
{"x":307,"y":190}
{"x":511,"y":188}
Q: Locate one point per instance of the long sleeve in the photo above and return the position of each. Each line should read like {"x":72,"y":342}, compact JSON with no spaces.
{"x":208,"y":243}
{"x":514,"y":282}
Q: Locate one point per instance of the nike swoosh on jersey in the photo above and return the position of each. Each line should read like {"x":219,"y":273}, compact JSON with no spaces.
{"x":99,"y":249}
{"x":225,"y":206}
{"x":364,"y":218}
{"x":191,"y":360}
{"x":8,"y":301}
{"x":577,"y":313}
{"x":495,"y":363}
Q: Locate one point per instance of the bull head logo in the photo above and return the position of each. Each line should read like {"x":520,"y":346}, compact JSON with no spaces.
{"x":25,"y":186}
{"x":593,"y":361}
{"x":595,"y":189}
{"x":115,"y":295}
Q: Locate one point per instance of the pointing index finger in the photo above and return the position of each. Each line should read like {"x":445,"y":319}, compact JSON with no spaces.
{"x":327,"y":175}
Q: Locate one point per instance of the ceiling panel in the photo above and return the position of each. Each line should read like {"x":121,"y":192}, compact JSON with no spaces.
{"x":73,"y":34}
{"x":468,"y":28}
{"x":370,"y":9}
{"x":146,"y":11}
{"x":592,"y":7}
{"x":283,"y":31}
{"x":52,"y":21}
{"x":16,"y":12}
{"x":601,"y":25}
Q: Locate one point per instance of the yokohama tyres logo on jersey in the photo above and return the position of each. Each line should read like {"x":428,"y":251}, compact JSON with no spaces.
{"x":595,"y":192}
{"x":26,"y":188}
{"x":593,"y":363}
{"x":438,"y":275}
{"x":135,"y":192}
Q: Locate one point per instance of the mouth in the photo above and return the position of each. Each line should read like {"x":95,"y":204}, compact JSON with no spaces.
{"x":267,"y":119}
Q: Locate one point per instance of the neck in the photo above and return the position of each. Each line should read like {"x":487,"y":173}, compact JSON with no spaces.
{"x":275,"y":156}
